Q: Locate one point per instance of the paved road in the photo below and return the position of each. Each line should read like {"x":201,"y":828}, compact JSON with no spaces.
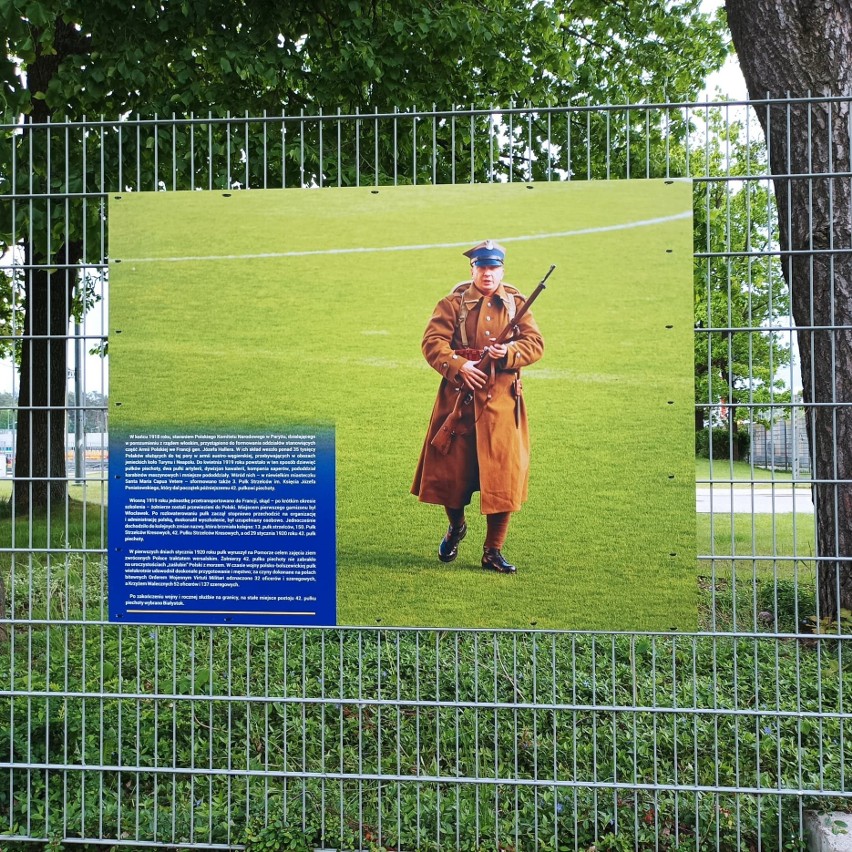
{"x":760,"y":500}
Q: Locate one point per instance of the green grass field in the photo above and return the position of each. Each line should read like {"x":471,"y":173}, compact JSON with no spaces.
{"x":77,"y":524}
{"x":743,"y":474}
{"x":93,"y":491}
{"x":259,"y":342}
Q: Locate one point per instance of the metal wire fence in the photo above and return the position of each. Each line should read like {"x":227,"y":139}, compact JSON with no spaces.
{"x":358,"y":738}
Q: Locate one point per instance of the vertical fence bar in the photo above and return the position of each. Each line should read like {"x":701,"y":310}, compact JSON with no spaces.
{"x":339,"y":146}
{"x":434,"y":145}
{"x":395,"y":125}
{"x":357,"y":148}
{"x":375,"y":146}
{"x":414,"y":120}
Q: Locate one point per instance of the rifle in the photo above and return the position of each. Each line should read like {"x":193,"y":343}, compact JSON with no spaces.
{"x":451,"y":427}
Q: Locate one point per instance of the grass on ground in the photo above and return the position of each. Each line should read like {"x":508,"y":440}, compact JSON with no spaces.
{"x":93,"y":491}
{"x":333,"y":711}
{"x":743,"y":475}
{"x":367,"y":739}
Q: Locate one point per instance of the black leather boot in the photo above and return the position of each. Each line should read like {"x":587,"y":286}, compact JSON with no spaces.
{"x":448,"y":549}
{"x":493,"y":560}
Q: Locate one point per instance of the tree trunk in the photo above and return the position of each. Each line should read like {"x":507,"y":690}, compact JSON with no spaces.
{"x":40,"y":480}
{"x":40,"y":477}
{"x":799,"y":47}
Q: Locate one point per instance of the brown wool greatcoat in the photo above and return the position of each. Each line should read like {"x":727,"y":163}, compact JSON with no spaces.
{"x":494,"y":458}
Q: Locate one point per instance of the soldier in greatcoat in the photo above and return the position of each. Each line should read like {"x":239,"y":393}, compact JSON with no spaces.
{"x":489,"y":450}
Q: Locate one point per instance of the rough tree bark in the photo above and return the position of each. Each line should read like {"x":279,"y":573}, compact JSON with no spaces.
{"x":40,"y":477}
{"x":798,"y":47}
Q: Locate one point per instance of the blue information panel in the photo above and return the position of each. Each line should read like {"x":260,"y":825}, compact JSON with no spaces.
{"x":224,"y":528}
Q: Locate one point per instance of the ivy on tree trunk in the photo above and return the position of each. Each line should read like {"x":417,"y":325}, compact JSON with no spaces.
{"x":801,"y":48}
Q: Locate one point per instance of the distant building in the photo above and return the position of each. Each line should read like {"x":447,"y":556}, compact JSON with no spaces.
{"x":783,"y":447}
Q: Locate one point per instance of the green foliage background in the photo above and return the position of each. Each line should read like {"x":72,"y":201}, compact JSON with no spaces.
{"x":66,"y":60}
{"x":607,"y":538}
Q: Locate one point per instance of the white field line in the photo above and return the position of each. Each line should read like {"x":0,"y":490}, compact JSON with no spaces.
{"x":642,"y":223}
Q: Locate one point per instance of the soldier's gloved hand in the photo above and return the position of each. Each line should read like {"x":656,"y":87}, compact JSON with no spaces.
{"x":472,"y":377}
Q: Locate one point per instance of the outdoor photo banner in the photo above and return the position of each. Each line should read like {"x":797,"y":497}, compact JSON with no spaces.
{"x":269,"y":400}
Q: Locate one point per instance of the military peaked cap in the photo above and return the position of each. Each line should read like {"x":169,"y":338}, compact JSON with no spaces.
{"x":487,"y":253}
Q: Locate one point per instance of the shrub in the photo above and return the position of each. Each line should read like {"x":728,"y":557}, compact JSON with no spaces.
{"x":721,"y":443}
